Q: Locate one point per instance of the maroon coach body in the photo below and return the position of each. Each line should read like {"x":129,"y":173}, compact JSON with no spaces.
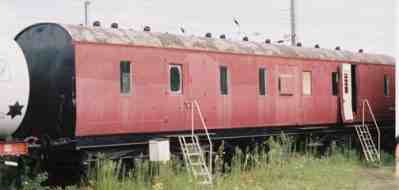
{"x":91,"y":83}
{"x":151,"y":105}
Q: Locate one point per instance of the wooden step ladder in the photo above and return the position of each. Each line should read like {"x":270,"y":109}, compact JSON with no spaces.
{"x":370,"y":150}
{"x":193,"y":153}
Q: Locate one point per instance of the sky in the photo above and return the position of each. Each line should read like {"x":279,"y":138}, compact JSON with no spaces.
{"x":351,"y":24}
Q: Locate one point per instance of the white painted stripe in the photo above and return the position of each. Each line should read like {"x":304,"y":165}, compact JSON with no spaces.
{"x":11,"y":163}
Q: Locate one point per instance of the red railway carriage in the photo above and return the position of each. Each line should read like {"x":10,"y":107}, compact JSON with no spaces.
{"x":151,"y":105}
{"x":117,"y":82}
{"x":83,"y":90}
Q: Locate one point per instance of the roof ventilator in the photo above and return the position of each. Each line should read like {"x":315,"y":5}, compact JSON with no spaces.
{"x":114,"y":25}
{"x":147,"y":29}
{"x":97,"y":23}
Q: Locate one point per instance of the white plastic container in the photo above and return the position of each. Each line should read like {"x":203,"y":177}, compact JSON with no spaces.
{"x":159,"y":150}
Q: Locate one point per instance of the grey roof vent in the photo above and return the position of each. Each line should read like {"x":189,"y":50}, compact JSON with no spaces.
{"x":97,"y":23}
{"x":208,"y":35}
{"x":268,"y":41}
{"x":114,"y":25}
{"x":223,"y":36}
{"x":147,"y":29}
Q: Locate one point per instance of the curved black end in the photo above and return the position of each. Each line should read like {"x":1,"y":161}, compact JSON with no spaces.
{"x":50,"y":55}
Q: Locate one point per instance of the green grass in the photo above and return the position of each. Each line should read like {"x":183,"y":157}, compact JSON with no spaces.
{"x":299,"y":172}
{"x":279,"y":168}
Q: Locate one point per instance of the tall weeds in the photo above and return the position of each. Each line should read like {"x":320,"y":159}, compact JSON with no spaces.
{"x":277,"y":163}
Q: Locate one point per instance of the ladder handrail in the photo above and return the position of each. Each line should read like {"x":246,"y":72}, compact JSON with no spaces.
{"x":195,"y":105}
{"x":366,"y":102}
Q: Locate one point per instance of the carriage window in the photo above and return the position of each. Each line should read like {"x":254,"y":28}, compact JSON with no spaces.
{"x":334,"y":82}
{"x":125,"y":77}
{"x":307,"y":83}
{"x":175,"y":79}
{"x":223,"y":81}
{"x":386,"y":85}
{"x":262,"y":81}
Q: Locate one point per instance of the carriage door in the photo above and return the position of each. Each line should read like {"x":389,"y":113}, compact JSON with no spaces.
{"x":201,"y":87}
{"x":346,"y":92}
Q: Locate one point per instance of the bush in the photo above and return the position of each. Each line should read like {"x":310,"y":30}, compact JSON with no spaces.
{"x":34,"y":183}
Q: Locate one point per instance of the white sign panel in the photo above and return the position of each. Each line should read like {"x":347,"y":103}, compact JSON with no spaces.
{"x":346,"y":92}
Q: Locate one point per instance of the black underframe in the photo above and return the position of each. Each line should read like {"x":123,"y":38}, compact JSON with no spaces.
{"x":93,"y":142}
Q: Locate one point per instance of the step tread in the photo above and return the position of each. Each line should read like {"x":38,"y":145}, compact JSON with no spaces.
{"x":194,"y":154}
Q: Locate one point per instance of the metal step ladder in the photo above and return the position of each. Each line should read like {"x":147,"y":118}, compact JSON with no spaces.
{"x":370,"y":150}
{"x":368,"y":146}
{"x":194,"y":158}
{"x":193,"y":153}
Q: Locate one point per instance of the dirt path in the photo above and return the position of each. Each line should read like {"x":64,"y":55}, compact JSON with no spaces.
{"x":379,"y":179}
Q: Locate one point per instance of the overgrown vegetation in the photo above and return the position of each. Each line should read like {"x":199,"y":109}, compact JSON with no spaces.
{"x":276,"y":164}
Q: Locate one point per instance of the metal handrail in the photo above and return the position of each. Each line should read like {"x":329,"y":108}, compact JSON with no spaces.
{"x":366,"y":102}
{"x":197,"y":107}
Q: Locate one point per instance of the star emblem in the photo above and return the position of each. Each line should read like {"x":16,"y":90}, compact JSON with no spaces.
{"x":15,"y":110}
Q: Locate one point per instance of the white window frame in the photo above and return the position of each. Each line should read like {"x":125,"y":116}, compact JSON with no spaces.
{"x":179,"y":68}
